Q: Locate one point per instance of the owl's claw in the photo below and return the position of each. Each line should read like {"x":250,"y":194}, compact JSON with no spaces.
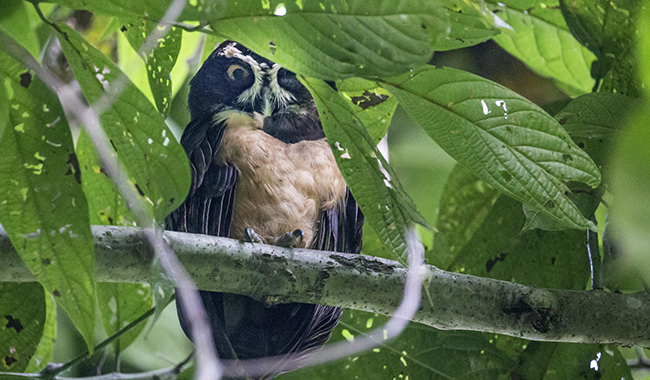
{"x":253,"y":237}
{"x":290,"y":239}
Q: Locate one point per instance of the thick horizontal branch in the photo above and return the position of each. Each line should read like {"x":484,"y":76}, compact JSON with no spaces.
{"x":371,"y":284}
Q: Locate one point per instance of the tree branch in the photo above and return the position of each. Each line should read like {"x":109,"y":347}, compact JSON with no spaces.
{"x":458,"y":301}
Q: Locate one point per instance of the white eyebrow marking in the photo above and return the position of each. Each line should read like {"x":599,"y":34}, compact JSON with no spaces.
{"x":254,"y":91}
{"x":279,"y":94}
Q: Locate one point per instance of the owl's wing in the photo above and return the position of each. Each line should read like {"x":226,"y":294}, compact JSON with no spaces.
{"x":207,"y":209}
{"x":208,"y":206}
{"x":340,"y":228}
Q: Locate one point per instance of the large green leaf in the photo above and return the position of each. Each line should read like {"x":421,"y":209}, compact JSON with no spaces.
{"x":159,"y":62}
{"x":387,"y":208}
{"x":420,"y":352}
{"x":541,"y":39}
{"x":4,"y":110}
{"x":154,"y":10}
{"x":464,"y":204}
{"x":630,"y":177}
{"x":607,"y":28}
{"x":500,"y":136}
{"x":145,"y":147}
{"x":15,"y":21}
{"x":332,"y":39}
{"x":498,"y":249}
{"x":106,"y":205}
{"x":121,"y":304}
{"x":43,"y":353}
{"x":595,"y":120}
{"x":22,"y":306}
{"x":339,"y":39}
{"x":551,"y":361}
{"x":42,"y":205}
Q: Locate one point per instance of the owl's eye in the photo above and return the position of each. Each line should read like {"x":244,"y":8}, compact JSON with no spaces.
{"x":237,"y":72}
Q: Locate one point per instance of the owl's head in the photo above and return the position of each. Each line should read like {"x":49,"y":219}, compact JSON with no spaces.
{"x":235,"y":78}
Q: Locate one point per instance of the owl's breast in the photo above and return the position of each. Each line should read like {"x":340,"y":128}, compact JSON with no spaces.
{"x":281,"y":187}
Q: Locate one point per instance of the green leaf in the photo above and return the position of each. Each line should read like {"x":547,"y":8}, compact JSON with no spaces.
{"x":550,"y":361}
{"x":500,"y":136}
{"x":159,"y":62}
{"x":42,"y":205}
{"x":388,"y":209}
{"x":162,"y":287}
{"x":630,"y":177}
{"x":105,"y":203}
{"x":4,"y":106}
{"x":420,"y":352}
{"x":630,"y":172}
{"x":22,"y":321}
{"x":595,"y":120}
{"x":332,"y":39}
{"x":498,"y":249}
{"x":542,"y":40}
{"x":606,"y":27}
{"x":15,"y":21}
{"x":43,"y":353}
{"x":146,"y":148}
{"x":642,"y":48}
{"x":464,"y":204}
{"x":341,"y":39}
{"x":154,"y":10}
{"x":372,"y":104}
{"x":121,"y":304}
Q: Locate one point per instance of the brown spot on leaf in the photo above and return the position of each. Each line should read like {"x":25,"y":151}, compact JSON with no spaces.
{"x":56,"y":293}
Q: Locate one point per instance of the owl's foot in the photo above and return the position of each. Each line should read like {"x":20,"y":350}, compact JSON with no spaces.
{"x":253,"y":237}
{"x":290,"y":239}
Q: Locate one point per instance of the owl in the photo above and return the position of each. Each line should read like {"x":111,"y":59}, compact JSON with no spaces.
{"x":262,"y":171}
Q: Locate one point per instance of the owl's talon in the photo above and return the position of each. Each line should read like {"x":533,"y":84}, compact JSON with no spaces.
{"x":253,"y":237}
{"x":290,"y":239}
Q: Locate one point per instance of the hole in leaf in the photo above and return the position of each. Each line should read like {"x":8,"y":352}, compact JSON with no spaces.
{"x":13,"y":323}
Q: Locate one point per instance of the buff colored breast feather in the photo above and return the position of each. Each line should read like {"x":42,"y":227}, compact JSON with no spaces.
{"x":281,"y":187}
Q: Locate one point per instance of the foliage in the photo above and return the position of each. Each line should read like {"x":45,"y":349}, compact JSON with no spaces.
{"x":518,"y":206}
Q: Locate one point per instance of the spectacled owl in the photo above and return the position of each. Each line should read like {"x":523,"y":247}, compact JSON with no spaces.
{"x":262,"y":170}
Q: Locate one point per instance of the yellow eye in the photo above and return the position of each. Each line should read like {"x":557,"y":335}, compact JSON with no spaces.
{"x":237,"y":72}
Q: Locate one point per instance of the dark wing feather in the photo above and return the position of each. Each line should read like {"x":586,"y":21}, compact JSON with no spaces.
{"x":244,"y":328}
{"x":208,"y":207}
{"x":206,"y":210}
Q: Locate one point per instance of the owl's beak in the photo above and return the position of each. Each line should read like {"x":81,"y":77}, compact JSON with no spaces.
{"x":267,"y":102}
